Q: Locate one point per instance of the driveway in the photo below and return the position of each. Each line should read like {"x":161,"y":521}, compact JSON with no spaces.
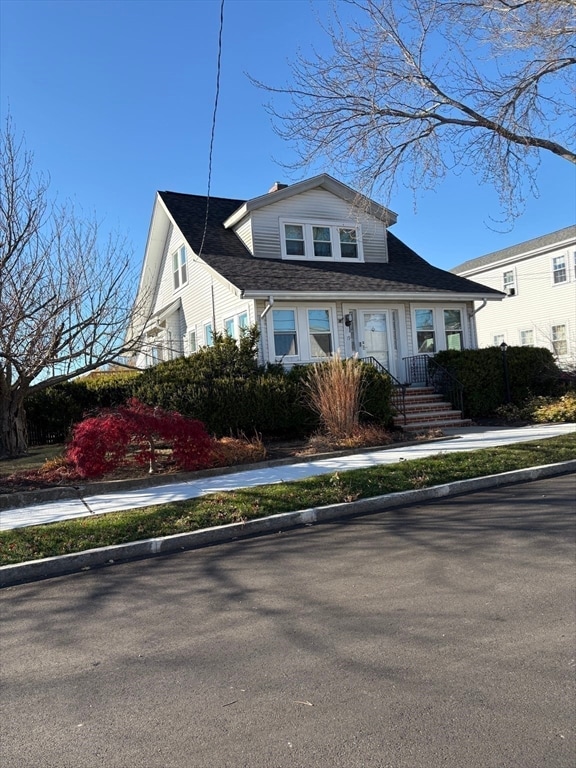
{"x":432,"y":635}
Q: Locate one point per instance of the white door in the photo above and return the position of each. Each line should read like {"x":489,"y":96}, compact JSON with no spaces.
{"x":374,"y":335}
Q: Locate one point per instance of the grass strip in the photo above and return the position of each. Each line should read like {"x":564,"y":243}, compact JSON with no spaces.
{"x":23,"y":544}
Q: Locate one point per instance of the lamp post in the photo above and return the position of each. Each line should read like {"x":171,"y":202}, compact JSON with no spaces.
{"x":504,"y":349}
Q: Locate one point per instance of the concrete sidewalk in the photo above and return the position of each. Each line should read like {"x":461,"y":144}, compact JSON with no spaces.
{"x":463,"y":439}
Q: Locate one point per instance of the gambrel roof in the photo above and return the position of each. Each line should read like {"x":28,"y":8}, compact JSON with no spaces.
{"x":403,"y":275}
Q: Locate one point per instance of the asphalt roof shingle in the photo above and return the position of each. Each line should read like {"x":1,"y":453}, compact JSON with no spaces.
{"x":404,"y":272}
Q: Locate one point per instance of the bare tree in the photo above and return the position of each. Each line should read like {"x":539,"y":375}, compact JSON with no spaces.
{"x":413,"y":89}
{"x":66,"y":297}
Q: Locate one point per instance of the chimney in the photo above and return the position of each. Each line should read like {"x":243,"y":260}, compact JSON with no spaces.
{"x":277,"y":186}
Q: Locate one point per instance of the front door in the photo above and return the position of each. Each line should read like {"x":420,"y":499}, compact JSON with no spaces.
{"x":374,"y":335}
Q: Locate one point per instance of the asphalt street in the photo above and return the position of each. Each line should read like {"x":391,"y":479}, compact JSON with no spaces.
{"x":434,"y":635}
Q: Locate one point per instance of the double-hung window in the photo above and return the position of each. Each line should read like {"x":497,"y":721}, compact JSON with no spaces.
{"x":320,"y":241}
{"x":319,"y":333}
{"x":559,"y":271}
{"x":302,"y":333}
{"x":559,"y":340}
{"x":179,"y":268}
{"x":509,"y":282}
{"x":453,"y":329}
{"x":425,"y":333}
{"x":527,"y":338}
{"x":192,"y":343}
{"x":285,"y":338}
{"x":208,"y":335}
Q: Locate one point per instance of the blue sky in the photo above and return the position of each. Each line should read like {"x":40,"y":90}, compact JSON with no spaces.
{"x":115,"y":98}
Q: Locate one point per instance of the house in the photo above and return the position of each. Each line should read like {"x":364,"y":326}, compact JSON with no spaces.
{"x":539,"y":280}
{"x":313,"y":264}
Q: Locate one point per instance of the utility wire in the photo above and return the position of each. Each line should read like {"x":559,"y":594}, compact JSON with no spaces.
{"x":218,"y":70}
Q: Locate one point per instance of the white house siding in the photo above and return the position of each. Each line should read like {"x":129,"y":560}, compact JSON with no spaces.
{"x":202,"y":297}
{"x":320,"y":205}
{"x":244,"y":232}
{"x":538,"y":304}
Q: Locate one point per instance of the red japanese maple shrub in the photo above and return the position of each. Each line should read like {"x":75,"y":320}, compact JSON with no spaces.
{"x":102,"y":442}
{"x":99,"y":444}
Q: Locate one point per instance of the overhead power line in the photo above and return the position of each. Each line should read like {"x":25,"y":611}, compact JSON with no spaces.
{"x":213,"y":131}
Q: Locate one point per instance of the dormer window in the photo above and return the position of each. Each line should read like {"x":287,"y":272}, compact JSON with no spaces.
{"x":326,"y":241}
{"x":294,"y":234}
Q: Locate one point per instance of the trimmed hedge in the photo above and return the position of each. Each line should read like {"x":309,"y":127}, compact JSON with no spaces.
{"x":51,"y":412}
{"x":223,"y":386}
{"x":531,"y":372}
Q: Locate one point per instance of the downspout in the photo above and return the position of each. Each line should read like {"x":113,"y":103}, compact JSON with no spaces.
{"x":268,"y":307}
{"x":472,"y":321}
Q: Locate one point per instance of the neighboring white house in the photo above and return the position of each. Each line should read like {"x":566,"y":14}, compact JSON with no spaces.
{"x":312,"y":264}
{"x":539,"y":279}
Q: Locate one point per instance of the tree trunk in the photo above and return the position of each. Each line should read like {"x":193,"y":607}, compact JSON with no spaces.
{"x":13,"y":432}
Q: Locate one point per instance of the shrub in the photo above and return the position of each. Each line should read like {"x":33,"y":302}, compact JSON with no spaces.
{"x":101,"y":443}
{"x":531,"y":372}
{"x":51,"y":412}
{"x":334,"y":390}
{"x":563,"y":409}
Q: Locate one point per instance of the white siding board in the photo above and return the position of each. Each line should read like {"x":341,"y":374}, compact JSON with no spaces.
{"x":538,"y":304}
{"x":244,"y":232}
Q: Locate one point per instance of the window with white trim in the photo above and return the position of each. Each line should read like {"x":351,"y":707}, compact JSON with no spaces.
{"x":509,"y":283}
{"x":498,"y":339}
{"x":559,"y":271}
{"x":236,"y":326}
{"x":559,"y":340}
{"x":302,"y":333}
{"x":179,"y":268}
{"x":437,"y":328}
{"x":192,"y":342}
{"x":453,"y":329}
{"x":425,"y":332}
{"x":324,"y":241}
{"x":527,"y":338}
{"x":319,"y":332}
{"x":285,"y":337}
{"x":208,"y":335}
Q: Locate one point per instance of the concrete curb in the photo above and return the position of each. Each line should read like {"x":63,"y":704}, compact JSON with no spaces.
{"x":35,"y":570}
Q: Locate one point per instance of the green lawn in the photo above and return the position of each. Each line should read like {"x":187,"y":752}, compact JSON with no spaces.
{"x":36,"y":542}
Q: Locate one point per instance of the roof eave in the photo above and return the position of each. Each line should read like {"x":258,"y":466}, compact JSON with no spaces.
{"x":322,"y":180}
{"x":371,"y":295}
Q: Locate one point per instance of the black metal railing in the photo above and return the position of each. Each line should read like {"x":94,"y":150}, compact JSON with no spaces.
{"x":422,"y":369}
{"x":398,"y":394}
